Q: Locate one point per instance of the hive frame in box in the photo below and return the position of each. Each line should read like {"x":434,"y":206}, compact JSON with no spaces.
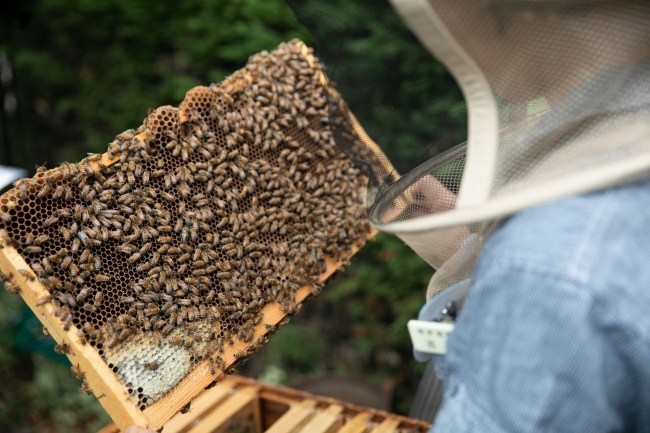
{"x":112,"y":394}
{"x":277,"y":409}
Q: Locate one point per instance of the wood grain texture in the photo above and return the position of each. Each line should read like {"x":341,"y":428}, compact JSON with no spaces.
{"x":327,"y":421}
{"x":239,"y":404}
{"x":203,"y":404}
{"x":358,"y":424}
{"x":388,"y":425}
{"x":296,"y":417}
{"x":300,"y":412}
{"x":288,"y":396}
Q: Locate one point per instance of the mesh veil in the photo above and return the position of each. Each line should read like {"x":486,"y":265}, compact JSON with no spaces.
{"x":384,"y":75}
{"x":558,"y":98}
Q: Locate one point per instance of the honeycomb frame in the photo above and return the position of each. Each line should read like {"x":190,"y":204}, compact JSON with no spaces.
{"x":100,"y":376}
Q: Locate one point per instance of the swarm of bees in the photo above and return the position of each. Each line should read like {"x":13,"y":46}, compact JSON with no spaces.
{"x":209,"y":212}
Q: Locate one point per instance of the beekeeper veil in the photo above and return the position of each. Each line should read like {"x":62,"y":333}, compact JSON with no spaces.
{"x":557,"y":103}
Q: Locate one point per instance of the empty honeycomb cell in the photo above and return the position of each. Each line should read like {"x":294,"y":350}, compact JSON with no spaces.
{"x":211,"y":211}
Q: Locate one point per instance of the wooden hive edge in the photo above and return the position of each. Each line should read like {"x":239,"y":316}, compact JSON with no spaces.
{"x":243,"y":402}
{"x":290,"y":395}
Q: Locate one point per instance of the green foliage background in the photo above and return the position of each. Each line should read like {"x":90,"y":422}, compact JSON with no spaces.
{"x":83,"y":71}
{"x":403,"y":97}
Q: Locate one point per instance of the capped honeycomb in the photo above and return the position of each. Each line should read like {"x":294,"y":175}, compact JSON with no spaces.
{"x":163,"y":252}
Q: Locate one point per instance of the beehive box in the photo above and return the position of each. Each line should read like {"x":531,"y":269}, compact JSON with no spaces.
{"x":244,"y":405}
{"x":177,"y":254}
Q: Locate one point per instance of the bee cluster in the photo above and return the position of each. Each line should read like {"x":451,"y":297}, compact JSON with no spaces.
{"x":205,"y":214}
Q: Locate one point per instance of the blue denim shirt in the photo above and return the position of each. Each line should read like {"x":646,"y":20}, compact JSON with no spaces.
{"x":555,"y":332}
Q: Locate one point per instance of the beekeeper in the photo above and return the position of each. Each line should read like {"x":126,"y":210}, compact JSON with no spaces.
{"x":539,"y":226}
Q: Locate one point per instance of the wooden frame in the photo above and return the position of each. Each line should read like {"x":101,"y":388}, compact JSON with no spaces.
{"x":276,"y":409}
{"x":110,"y":392}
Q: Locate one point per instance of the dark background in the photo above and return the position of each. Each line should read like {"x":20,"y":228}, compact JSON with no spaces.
{"x":74,"y":73}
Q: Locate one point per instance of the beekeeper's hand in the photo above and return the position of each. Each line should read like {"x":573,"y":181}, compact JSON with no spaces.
{"x":426,"y":196}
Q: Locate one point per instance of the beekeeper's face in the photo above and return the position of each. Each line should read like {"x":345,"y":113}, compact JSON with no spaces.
{"x":527,"y":51}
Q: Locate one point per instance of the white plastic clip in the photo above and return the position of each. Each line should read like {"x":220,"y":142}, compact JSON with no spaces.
{"x":430,"y":337}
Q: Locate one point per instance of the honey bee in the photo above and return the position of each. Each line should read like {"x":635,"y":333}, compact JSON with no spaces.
{"x":12,"y":287}
{"x":212,"y":366}
{"x":65,"y":264}
{"x":45,"y":190}
{"x":154,"y":259}
{"x":59,"y":192}
{"x":112,"y":340}
{"x":85,"y":388}
{"x":86,"y":267}
{"x":66,"y":298}
{"x":185,"y":409}
{"x":75,"y":246}
{"x":155,"y":271}
{"x":43,"y":300}
{"x":149,"y":297}
{"x":135,"y":257}
{"x":99,"y":296}
{"x":185,"y":302}
{"x":152,"y":310}
{"x":62,"y":349}
{"x":82,"y":336}
{"x":124,"y":333}
{"x":151,"y":365}
{"x":26,"y":274}
{"x":32,"y":249}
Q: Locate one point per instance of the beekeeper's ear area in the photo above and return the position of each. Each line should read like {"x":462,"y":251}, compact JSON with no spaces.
{"x":175,"y":256}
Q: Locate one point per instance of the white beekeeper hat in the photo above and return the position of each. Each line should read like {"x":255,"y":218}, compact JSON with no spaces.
{"x":558,"y":103}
